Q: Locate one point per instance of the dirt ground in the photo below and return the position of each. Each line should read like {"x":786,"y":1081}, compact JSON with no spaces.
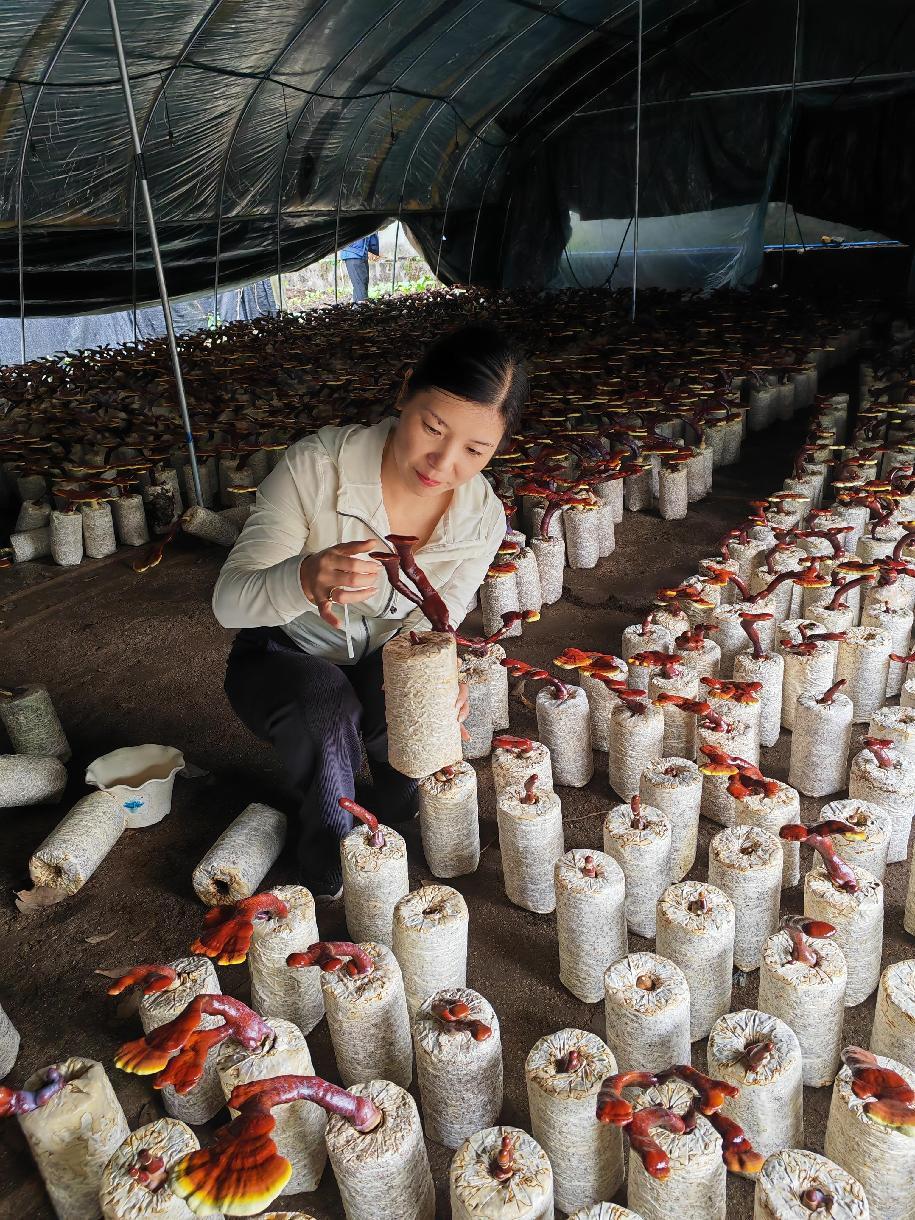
{"x":134,"y":659}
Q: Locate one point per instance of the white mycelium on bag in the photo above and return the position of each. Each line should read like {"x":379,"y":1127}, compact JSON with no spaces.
{"x":761,"y":1056}
{"x":564,"y":1072}
{"x":696,"y":923}
{"x":646,"y":1004}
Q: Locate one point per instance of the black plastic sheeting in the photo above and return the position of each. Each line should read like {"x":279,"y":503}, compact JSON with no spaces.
{"x":275,"y":132}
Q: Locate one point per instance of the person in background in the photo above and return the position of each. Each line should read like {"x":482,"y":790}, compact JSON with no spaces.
{"x":356,"y":260}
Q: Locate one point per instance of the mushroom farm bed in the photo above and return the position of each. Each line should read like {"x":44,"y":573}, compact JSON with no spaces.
{"x":799,"y":416}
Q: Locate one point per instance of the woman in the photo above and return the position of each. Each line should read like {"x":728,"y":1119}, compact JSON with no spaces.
{"x":294,"y":677}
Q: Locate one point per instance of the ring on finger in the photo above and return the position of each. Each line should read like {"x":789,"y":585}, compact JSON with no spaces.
{"x":331,"y":591}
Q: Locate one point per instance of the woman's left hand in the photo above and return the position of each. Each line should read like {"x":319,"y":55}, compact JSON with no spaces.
{"x":462,"y":703}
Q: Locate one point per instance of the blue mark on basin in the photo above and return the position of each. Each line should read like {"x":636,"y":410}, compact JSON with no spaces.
{"x":134,"y":804}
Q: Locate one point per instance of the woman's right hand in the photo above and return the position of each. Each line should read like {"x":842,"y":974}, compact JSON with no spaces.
{"x":336,"y":575}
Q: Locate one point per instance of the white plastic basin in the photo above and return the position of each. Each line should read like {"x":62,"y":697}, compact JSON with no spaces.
{"x":140,"y":778}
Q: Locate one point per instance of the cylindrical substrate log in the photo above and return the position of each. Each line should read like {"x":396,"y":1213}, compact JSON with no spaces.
{"x":123,"y":1196}
{"x":195,"y":976}
{"x":276,"y":990}
{"x":9,"y":1044}
{"x":820,"y":743}
{"x":646,"y":1006}
{"x":300,"y":1125}
{"x":66,"y":538}
{"x":421,"y":689}
{"x":550,"y":554}
{"x":430,"y":942}
{"x":746,"y":863}
{"x":881,"y":1159}
{"x":30,"y":779}
{"x":384,"y":1171}
{"x":590,"y":920}
{"x":696,"y":924}
{"x":639,"y":840}
{"x":449,"y":821}
{"x":636,"y":741}
{"x":459,"y":1076}
{"x":564,"y":1072}
{"x":374,"y":881}
{"x":858,"y":919}
{"x":511,"y":767}
{"x":530,"y":842}
{"x":893,"y":1033}
{"x":241,"y":857}
{"x":129,"y":514}
{"x":98,"y":531}
{"x":78,"y":844}
{"x":795,"y":1184}
{"x":761,"y":1056}
{"x":770,"y":813}
{"x":368,"y":1021}
{"x":674,"y":785}
{"x":863,"y":661}
{"x":896,"y":724}
{"x":481,"y":1189}
{"x":873,"y":822}
{"x":32,"y":724}
{"x":769,"y":669}
{"x":564,"y":727}
{"x":696,"y":1183}
{"x":809,"y":998}
{"x":892,"y":788}
{"x":74,"y":1135}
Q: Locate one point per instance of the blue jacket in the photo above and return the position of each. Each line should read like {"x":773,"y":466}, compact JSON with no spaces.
{"x":361,"y":248}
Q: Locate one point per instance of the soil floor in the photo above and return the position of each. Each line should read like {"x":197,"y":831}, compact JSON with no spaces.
{"x":133,"y":659}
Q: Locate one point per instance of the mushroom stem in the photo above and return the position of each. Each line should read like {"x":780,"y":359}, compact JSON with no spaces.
{"x":830,"y":694}
{"x":376,"y":837}
{"x":840,"y":874}
{"x":880,"y":747}
{"x":530,"y":796}
{"x":24,"y":1101}
{"x":260,"y":1096}
{"x":330,"y":955}
{"x":502,"y":1165}
{"x":837,"y":601}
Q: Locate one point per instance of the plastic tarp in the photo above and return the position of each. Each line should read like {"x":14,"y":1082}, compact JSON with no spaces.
{"x":46,"y":336}
{"x":274,"y":133}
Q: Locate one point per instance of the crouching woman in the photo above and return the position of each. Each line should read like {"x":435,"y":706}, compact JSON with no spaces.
{"x":295,"y":677}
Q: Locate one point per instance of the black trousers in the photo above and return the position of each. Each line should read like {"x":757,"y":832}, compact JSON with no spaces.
{"x":358,"y":271}
{"x":312,"y":712}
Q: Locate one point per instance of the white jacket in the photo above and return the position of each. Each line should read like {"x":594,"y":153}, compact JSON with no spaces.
{"x":327,"y":490}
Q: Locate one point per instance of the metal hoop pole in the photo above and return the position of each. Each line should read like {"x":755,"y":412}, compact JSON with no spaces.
{"x":154,"y":244}
{"x":638,"y":155}
{"x":794,"y":75}
{"x":394,"y":265}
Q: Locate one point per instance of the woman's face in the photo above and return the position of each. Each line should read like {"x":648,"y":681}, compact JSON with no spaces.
{"x":441,"y":441}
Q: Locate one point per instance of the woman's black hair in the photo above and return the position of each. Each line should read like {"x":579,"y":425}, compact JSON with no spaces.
{"x":478,"y":363}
